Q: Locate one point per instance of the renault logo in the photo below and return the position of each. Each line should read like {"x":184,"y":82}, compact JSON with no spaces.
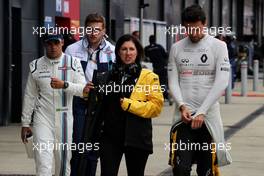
{"x":204,"y":58}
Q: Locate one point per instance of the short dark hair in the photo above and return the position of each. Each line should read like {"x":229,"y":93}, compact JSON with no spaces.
{"x":126,"y":38}
{"x":152,"y":39}
{"x":193,"y":13}
{"x":94,"y":18}
{"x":134,"y":33}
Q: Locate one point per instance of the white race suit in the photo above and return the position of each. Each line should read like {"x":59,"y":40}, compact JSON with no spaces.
{"x":198,"y":74}
{"x":52,"y":118}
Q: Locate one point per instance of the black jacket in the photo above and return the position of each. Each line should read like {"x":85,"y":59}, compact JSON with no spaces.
{"x":157,"y":55}
{"x":123,"y":127}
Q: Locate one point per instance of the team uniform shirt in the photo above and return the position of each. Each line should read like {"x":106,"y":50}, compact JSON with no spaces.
{"x":198,"y":74}
{"x":105,"y":55}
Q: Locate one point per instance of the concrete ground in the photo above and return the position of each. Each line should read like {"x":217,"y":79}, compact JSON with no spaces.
{"x":243,"y":129}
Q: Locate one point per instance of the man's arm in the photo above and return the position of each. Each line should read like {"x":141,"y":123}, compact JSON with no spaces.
{"x":173,"y":78}
{"x":28,"y":107}
{"x":29,"y":101}
{"x":174,"y":86}
{"x":76,"y":87}
{"x":146,"y":52}
{"x":164,"y":53}
{"x":221,"y":80}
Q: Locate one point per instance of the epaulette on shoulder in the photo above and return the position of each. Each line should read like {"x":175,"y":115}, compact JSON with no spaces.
{"x":150,"y":74}
{"x":73,"y":62}
{"x":146,"y":71}
{"x":33,"y":65}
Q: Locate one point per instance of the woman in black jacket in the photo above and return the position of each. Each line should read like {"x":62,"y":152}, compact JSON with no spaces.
{"x":135,"y":98}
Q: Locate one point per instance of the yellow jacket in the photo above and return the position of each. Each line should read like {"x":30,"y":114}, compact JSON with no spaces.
{"x":146,"y":100}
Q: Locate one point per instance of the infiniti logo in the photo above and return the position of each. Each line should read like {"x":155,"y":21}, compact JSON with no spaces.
{"x":226,"y":59}
{"x":185,"y":60}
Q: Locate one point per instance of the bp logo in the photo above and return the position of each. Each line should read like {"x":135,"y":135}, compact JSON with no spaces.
{"x":204,"y":58}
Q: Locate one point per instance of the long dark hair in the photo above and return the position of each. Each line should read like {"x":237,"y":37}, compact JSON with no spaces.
{"x":121,"y":41}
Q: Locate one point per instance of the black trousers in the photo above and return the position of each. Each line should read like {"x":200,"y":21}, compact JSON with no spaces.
{"x":111,"y":154}
{"x":194,"y":146}
{"x":79,"y":115}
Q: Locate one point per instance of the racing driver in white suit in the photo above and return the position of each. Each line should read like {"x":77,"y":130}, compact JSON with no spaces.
{"x":198,"y":74}
{"x":52,"y":82}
